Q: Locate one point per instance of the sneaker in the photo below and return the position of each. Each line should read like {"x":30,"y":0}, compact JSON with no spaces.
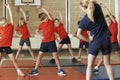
{"x":20,"y":73}
{"x":96,"y":70}
{"x":61,"y":72}
{"x":74,"y":60}
{"x":34,"y":73}
{"x":79,"y":59}
{"x":52,"y":61}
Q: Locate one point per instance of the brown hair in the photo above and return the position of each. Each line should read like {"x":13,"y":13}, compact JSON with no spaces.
{"x":42,"y":16}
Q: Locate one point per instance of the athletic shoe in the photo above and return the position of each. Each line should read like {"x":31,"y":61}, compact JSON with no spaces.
{"x":79,"y":59}
{"x":20,"y":73}
{"x":96,"y":70}
{"x":74,"y":60}
{"x":52,"y":61}
{"x":34,"y":73}
{"x":61,"y":72}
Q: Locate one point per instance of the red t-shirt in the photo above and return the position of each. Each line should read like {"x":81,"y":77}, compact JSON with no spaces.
{"x":60,"y":30}
{"x":48,"y":30}
{"x":83,"y":33}
{"x":23,"y":31}
{"x":6,"y":34}
{"x":114,"y":31}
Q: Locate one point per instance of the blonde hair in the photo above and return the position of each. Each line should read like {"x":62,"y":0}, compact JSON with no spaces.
{"x":89,"y":5}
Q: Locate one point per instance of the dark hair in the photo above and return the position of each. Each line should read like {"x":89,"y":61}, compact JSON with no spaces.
{"x":106,"y":16}
{"x":42,"y":16}
{"x":56,"y":19}
{"x":78,"y":22}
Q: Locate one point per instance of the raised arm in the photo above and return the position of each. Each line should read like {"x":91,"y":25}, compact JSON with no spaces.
{"x":23,"y":13}
{"x":60,"y":15}
{"x":108,"y":12}
{"x":10,"y":13}
{"x":48,"y":14}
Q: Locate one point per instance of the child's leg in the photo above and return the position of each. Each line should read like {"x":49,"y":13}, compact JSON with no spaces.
{"x":60,"y":70}
{"x":12,"y":58}
{"x":80,"y":52}
{"x":106,"y":59}
{"x":59,"y":47}
{"x":18,"y":52}
{"x":100,"y":62}
{"x":117,"y":53}
{"x":31,"y":52}
{"x":70,"y":50}
{"x":38,"y":61}
{"x":55,"y":55}
{"x":90,"y":64}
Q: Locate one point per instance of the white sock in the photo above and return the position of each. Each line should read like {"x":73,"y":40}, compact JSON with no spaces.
{"x":96,"y":67}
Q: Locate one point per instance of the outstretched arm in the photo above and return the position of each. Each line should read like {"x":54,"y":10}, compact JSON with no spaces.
{"x":60,"y":15}
{"x":48,"y":14}
{"x":10,"y":13}
{"x":23,"y":13}
{"x":108,"y":11}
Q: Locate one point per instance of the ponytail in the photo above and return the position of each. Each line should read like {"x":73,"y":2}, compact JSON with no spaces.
{"x":90,"y":11}
{"x":89,"y":5}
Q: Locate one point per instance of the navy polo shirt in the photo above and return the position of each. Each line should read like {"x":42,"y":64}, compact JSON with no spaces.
{"x":98,"y":28}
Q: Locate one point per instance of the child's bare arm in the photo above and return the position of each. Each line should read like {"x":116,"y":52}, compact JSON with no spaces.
{"x":10,"y":13}
{"x":60,"y":15}
{"x":108,"y":11}
{"x":23,"y":13}
{"x":48,"y":14}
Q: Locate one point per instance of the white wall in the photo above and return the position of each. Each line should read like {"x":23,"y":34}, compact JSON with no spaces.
{"x":36,"y":41}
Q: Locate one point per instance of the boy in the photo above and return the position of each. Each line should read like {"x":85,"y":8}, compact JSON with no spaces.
{"x":48,"y":41}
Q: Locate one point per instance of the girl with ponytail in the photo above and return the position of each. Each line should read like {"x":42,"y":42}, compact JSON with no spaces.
{"x":99,"y":39}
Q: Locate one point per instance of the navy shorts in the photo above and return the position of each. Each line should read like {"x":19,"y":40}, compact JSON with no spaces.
{"x":27,"y":41}
{"x":115,"y":46}
{"x":83,"y":45}
{"x":48,"y":47}
{"x":65,"y":41}
{"x":103,"y":45}
{"x":7,"y":50}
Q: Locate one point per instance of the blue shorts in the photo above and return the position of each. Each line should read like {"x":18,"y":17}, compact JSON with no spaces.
{"x":83,"y":45}
{"x":66,"y":41}
{"x":48,"y":47}
{"x":115,"y":46}
{"x":103,"y":45}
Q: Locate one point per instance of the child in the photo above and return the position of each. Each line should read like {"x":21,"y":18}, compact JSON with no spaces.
{"x":113,"y":27}
{"x":48,"y":41}
{"x":64,"y":38}
{"x":94,"y":22}
{"x":82,"y":43}
{"x":23,"y":33}
{"x":6,"y":33}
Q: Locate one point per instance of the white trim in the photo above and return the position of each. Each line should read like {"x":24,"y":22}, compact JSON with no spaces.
{"x":68,"y":16}
{"x":117,"y":16}
{"x":4,"y":9}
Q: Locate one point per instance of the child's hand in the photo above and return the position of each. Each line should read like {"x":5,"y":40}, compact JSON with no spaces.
{"x":91,"y":38}
{"x":20,"y":36}
{"x":38,"y":7}
{"x":103,"y":5}
{"x":7,"y":6}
